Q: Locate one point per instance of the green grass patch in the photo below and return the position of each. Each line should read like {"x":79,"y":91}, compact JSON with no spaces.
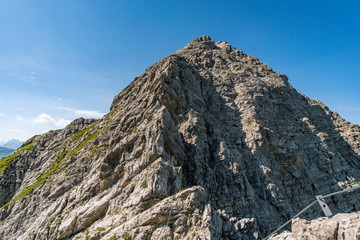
{"x":113,"y":237}
{"x":31,"y":139}
{"x":127,"y":236}
{"x":57,"y":164}
{"x":144,"y":184}
{"x":5,"y":161}
{"x":40,"y":180}
{"x":100,"y":229}
{"x":49,"y":224}
{"x":27,"y":147}
{"x":89,"y":138}
{"x":82,"y":132}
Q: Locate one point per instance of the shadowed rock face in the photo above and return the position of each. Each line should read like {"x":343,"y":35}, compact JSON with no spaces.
{"x":210,"y":132}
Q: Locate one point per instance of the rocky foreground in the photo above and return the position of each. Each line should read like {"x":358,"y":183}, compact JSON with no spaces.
{"x":208,"y":143}
{"x":339,"y":227}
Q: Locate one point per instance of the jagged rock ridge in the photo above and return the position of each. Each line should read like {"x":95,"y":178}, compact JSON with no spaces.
{"x":209,"y":131}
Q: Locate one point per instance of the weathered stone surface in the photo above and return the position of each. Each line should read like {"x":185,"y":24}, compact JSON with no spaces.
{"x":339,"y":227}
{"x":208,"y":130}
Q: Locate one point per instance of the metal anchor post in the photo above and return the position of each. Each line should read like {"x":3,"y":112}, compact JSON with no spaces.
{"x":324,"y":206}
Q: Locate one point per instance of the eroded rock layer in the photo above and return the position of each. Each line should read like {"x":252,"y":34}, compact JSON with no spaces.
{"x":339,"y":227}
{"x":208,"y":143}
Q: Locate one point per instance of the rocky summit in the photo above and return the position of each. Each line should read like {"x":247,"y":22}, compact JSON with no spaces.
{"x":208,"y":143}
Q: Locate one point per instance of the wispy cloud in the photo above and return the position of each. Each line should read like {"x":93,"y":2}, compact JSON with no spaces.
{"x":83,"y":113}
{"x":57,"y":98}
{"x":2,"y":114}
{"x":45,"y":118}
{"x":20,"y":119}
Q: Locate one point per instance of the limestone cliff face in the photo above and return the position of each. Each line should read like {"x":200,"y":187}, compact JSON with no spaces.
{"x":339,"y":227}
{"x":208,"y":143}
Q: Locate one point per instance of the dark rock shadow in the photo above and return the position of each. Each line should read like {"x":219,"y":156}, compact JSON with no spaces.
{"x":289,"y":165}
{"x":309,"y":152}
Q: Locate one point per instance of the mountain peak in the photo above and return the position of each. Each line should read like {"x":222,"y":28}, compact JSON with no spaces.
{"x":203,"y":42}
{"x":204,"y":38}
{"x":208,"y":143}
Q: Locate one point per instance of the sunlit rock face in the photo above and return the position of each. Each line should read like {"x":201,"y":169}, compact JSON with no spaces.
{"x":343,"y":226}
{"x":208,"y":143}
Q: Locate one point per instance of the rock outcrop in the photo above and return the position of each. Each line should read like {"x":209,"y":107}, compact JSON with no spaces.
{"x":339,"y":227}
{"x":208,"y":143}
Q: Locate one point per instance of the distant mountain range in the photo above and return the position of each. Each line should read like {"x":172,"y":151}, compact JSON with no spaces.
{"x":8,"y":147}
{"x":12,"y":144}
{"x":5,"y":152}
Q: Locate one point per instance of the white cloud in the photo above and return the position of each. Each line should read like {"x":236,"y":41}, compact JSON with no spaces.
{"x":45,"y":118}
{"x":2,"y":114}
{"x":20,"y":119}
{"x":83,"y":113}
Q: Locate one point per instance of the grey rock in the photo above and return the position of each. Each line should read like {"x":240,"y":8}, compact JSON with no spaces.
{"x":339,"y":227}
{"x":208,"y":130}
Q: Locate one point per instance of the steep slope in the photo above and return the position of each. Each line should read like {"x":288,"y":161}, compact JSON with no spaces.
{"x":210,"y":132}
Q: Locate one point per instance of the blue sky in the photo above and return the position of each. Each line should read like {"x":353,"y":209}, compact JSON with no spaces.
{"x":60,"y":60}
